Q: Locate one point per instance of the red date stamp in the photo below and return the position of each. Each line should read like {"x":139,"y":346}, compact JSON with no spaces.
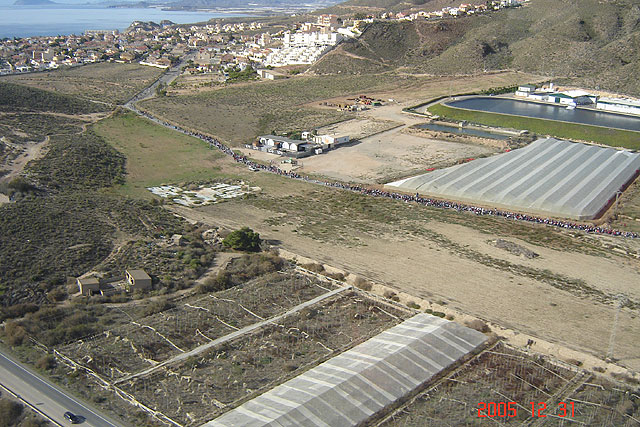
{"x":510,"y":409}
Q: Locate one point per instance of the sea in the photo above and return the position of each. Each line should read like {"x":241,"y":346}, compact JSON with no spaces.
{"x":69,"y":18}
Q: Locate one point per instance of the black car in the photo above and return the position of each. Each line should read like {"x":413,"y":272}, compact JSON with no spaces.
{"x":69,"y":416}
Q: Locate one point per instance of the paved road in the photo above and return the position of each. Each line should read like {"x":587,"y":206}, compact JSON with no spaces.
{"x":169,"y":76}
{"x":45,"y":397}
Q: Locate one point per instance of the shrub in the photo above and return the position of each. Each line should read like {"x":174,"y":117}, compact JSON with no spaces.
{"x":10,"y":411}
{"x":15,"y":333}
{"x":363,"y":284}
{"x":391,"y":295}
{"x":336,"y":276}
{"x":57,"y":294}
{"x":314,"y":267}
{"x":18,"y":310}
{"x":220,"y":282}
{"x":478,"y":325}
{"x":414,"y":305}
{"x":244,"y":239}
{"x":156,"y":306}
{"x":249,"y":266}
{"x":46,"y":362}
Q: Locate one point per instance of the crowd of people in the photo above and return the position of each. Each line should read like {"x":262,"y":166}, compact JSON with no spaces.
{"x":425,"y":201}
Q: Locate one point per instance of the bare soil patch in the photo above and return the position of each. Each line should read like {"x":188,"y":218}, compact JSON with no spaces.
{"x":388,"y":155}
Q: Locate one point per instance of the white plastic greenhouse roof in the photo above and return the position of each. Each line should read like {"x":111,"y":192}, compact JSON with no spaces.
{"x":351,"y":387}
{"x":550,"y":177}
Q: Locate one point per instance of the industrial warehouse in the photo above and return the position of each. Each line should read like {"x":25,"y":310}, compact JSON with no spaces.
{"x":550,"y":177}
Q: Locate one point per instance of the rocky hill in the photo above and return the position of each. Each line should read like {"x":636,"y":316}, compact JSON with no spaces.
{"x":593,"y":43}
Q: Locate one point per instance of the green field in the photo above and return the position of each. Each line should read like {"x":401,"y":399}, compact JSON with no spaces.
{"x":157,"y":155}
{"x":612,"y":137}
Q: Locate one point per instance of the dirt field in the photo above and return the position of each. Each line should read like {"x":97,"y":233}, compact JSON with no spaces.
{"x":389,"y":155}
{"x":566,"y":295}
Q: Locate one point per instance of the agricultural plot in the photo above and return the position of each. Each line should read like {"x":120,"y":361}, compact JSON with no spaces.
{"x":142,"y":343}
{"x":205,"y":385}
{"x":480,"y":392}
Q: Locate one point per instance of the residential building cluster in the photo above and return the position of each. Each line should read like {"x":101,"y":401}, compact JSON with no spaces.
{"x":462,"y":10}
{"x":157,"y":45}
{"x":574,"y":98}
{"x":308,"y":43}
{"x":219,"y":46}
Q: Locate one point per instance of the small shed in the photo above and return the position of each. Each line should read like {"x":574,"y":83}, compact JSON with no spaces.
{"x":138,"y":279}
{"x":88,"y":285}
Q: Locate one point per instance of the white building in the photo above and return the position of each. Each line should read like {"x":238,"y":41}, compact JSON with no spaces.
{"x":619,"y":105}
{"x":310,"y":39}
{"x":330,"y":141}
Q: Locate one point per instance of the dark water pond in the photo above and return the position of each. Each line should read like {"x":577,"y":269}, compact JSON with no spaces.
{"x":549,"y":112}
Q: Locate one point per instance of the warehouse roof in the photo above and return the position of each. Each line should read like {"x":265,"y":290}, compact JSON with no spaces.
{"x":549,"y":177}
{"x":351,"y":387}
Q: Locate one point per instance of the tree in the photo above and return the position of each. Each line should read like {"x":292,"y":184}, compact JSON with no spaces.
{"x":244,"y":239}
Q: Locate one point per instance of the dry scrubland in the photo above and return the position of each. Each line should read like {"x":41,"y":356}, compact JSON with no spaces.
{"x":589,"y":43}
{"x":238,"y":113}
{"x":104,"y":82}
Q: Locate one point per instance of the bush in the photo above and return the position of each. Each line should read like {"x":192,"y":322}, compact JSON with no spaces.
{"x":220,"y":282}
{"x":57,"y":294}
{"x":46,"y":362}
{"x":314,"y":267}
{"x":414,"y":305}
{"x":249,"y":266}
{"x":478,"y":325}
{"x":336,"y":276}
{"x":10,"y":411}
{"x":14,"y":333}
{"x":18,"y":310}
{"x":244,"y":239}
{"x":363,"y":284}
{"x":156,"y":306}
{"x":391,"y":295}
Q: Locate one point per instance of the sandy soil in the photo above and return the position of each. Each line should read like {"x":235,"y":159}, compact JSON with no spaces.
{"x":32,"y":151}
{"x":389,"y":155}
{"x":359,"y":128}
{"x":420,"y":267}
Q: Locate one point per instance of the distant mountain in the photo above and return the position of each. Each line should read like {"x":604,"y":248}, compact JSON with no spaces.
{"x":212,"y":4}
{"x":591,"y":43}
{"x":33,"y":2}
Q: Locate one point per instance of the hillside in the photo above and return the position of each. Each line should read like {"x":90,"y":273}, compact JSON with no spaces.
{"x":15,"y":97}
{"x":374,"y":6}
{"x":589,"y":43}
